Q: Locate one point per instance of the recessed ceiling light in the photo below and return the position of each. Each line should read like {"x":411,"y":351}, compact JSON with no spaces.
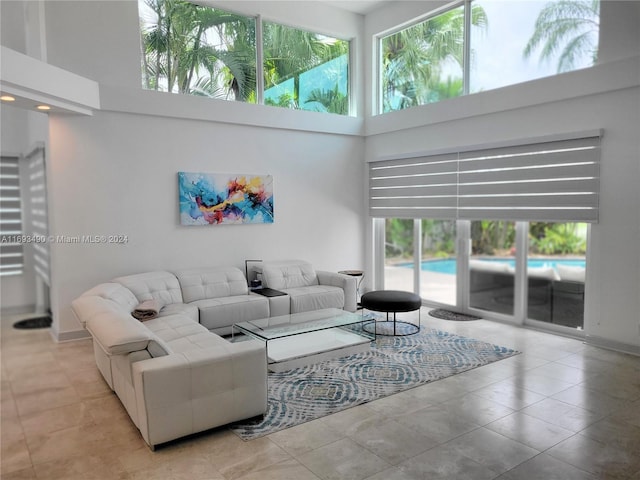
{"x":43,"y":107}
{"x":7,"y":98}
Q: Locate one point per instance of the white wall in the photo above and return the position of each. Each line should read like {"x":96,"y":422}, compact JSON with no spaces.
{"x":20,"y":131}
{"x":607,"y":97}
{"x":99,"y":40}
{"x":116,"y":172}
{"x":12,"y":22}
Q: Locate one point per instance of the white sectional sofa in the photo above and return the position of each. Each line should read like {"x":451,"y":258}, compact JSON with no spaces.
{"x":308,"y":289}
{"x":175,"y":374}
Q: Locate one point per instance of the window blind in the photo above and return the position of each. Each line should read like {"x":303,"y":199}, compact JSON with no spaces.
{"x":37,"y":198}
{"x":11,"y":252}
{"x":555,"y":179}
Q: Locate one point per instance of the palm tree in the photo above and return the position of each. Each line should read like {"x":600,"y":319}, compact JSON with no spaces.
{"x":414,"y":59}
{"x":178,"y":56}
{"x":571,"y":26}
{"x":332,"y":101}
{"x":291,"y":52}
{"x":200,"y":50}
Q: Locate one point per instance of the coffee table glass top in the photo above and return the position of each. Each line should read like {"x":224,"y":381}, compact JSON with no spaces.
{"x":298,"y":323}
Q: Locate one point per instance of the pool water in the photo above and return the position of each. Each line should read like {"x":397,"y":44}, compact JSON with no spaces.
{"x":448,"y":265}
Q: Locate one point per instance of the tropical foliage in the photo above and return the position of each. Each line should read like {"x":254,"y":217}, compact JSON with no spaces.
{"x":558,"y":238}
{"x":438,"y":238}
{"x":570,"y":27}
{"x":188,"y":48}
{"x":198,"y":50}
{"x":488,"y":237}
{"x":423,"y":63}
{"x":398,"y":238}
{"x":491,"y":237}
{"x":296,"y":60}
{"x":333,"y":101}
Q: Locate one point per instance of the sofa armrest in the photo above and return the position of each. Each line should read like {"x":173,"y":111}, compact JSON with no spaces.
{"x":189,"y":392}
{"x":348,"y":283}
{"x":119,"y":333}
{"x":106,"y":297}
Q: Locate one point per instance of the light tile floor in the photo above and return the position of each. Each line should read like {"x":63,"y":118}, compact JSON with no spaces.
{"x":560,"y":410}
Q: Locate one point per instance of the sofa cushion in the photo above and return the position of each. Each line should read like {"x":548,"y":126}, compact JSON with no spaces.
{"x":571,"y":273}
{"x":288,"y":274}
{"x":181,"y":334}
{"x":316,"y":297}
{"x":489,"y":266}
{"x":218,"y":313}
{"x":211,"y":282}
{"x":190,"y":311}
{"x":160,"y":286}
{"x":547,"y":273}
{"x":158,"y":348}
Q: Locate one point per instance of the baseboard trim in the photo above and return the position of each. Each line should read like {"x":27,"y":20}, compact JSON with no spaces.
{"x":23,"y":309}
{"x":612,"y":345}
{"x":71,"y":336}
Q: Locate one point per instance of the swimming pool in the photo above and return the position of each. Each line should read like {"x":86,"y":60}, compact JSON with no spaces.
{"x":448,"y":265}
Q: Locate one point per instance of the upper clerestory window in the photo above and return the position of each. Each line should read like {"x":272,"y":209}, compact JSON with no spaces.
{"x":305,"y":70}
{"x":197,"y":50}
{"x":480,"y":45}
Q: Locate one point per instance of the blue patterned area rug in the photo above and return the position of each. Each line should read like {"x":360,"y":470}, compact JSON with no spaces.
{"x":392,"y":365}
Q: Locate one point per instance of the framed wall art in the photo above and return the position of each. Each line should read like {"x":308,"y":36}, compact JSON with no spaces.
{"x":218,"y":199}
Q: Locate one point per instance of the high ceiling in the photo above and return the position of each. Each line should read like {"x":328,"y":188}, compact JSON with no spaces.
{"x":358,"y":6}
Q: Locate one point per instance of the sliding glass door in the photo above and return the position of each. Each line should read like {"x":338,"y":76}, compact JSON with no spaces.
{"x":515,"y":271}
{"x":492,"y":266}
{"x":438,"y":261}
{"x":420,"y":256}
{"x":556,"y":268}
{"x":399,"y":254}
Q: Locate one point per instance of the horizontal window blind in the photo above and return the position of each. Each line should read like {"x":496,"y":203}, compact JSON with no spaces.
{"x":420,"y":187}
{"x":551,"y":180}
{"x":37,"y":199}
{"x":11,"y":251}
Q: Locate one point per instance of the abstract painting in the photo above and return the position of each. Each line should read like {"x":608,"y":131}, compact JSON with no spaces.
{"x":213,"y":199}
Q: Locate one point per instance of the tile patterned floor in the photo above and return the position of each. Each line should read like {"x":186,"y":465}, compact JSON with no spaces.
{"x":560,"y":410}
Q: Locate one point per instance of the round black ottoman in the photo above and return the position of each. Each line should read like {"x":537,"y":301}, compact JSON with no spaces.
{"x":391,"y":301}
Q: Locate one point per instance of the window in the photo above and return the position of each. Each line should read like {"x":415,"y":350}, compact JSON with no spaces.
{"x":507,"y":42}
{"x":492,"y":266}
{"x":485,"y":199}
{"x":423,"y":63}
{"x":523,"y":41}
{"x":399,"y":254}
{"x":197,"y":50}
{"x":11,"y":252}
{"x":304,"y":70}
{"x":553,"y":178}
{"x":35,"y":188}
{"x":556,"y":270}
{"x":438,"y":261}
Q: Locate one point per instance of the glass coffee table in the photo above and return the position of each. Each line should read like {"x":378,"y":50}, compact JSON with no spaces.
{"x":302,"y":338}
